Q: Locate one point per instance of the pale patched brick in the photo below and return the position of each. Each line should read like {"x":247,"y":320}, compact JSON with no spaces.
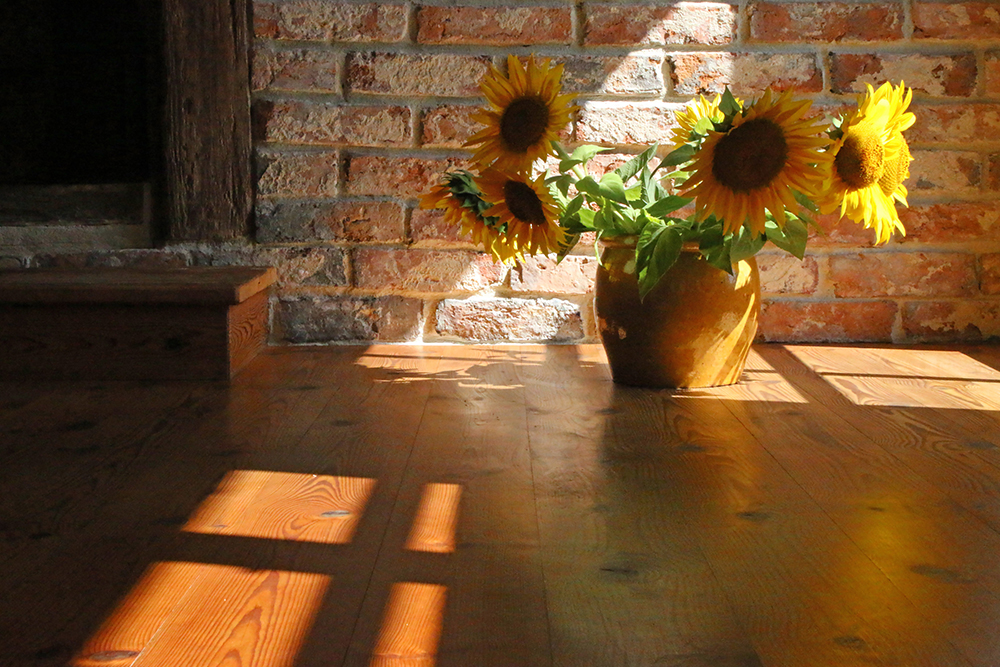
{"x":938,"y":75}
{"x":322,"y":20}
{"x":297,"y":174}
{"x":954,"y":123}
{"x":945,"y":172}
{"x":968,"y":320}
{"x":339,"y":221}
{"x":449,"y":126}
{"x":429,"y":229}
{"x":840,"y":232}
{"x":574,"y":275}
{"x":494,"y":25}
{"x":507,"y":320}
{"x":826,"y":22}
{"x":619,"y":75}
{"x":991,"y":75}
{"x":746,"y":74}
{"x":295,"y":267}
{"x":445,"y":75}
{"x":903,"y":274}
{"x":396,"y":176}
{"x":989,"y":273}
{"x":419,"y":270}
{"x":327,"y":319}
{"x":680,"y":23}
{"x":954,"y":222}
{"x":787,"y":274}
{"x":295,"y":122}
{"x":961,"y":20}
{"x":296,"y":69}
{"x":624,"y":123}
{"x":826,"y":321}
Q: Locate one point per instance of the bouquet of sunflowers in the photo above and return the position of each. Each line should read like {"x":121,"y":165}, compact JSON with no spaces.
{"x":735,"y":175}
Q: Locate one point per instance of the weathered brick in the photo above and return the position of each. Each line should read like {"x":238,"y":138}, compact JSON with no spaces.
{"x":448,"y":126}
{"x":429,"y":229}
{"x":340,"y":221}
{"x":945,"y":172}
{"x":680,"y":23}
{"x":962,"y":20}
{"x":991,"y":75}
{"x":325,"y":319}
{"x":295,"y":266}
{"x":968,"y":320}
{"x":419,"y":270}
{"x":746,"y":74}
{"x":498,"y":320}
{"x":903,"y":274}
{"x":574,"y":275}
{"x":10,"y":262}
{"x":826,"y":22}
{"x":954,"y":222}
{"x":296,"y":69}
{"x":989,"y":274}
{"x":993,"y":178}
{"x":787,"y":274}
{"x":494,"y":25}
{"x":939,"y":75}
{"x":295,"y":122}
{"x":159,"y":258}
{"x":619,"y":75}
{"x":446,"y":75}
{"x":953,"y":123}
{"x":297,"y":174}
{"x":839,"y":231}
{"x":624,"y":123}
{"x":320,"y":20}
{"x":826,"y":321}
{"x":400,"y":177}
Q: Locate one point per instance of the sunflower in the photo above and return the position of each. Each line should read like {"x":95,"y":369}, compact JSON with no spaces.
{"x":528,"y":215}
{"x":462,"y":204}
{"x":768,"y":152}
{"x":526,"y":115}
{"x":871,"y":160}
{"x":691,"y":115}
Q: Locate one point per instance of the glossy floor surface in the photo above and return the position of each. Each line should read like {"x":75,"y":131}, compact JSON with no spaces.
{"x":507,"y":506}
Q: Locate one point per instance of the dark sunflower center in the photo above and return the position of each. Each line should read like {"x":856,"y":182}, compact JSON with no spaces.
{"x":523,"y":203}
{"x":860,"y":160}
{"x":750,"y":156}
{"x":523,"y":123}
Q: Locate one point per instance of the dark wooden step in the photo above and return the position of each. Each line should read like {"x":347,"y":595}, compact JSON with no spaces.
{"x":191,"y":323}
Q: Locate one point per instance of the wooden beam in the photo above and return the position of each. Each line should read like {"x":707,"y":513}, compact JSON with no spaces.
{"x":207,"y":140}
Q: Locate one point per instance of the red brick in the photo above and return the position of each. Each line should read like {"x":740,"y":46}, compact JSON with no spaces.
{"x":499,"y":320}
{"x":683,"y":23}
{"x":991,"y":75}
{"x":951,"y":321}
{"x":295,"y":122}
{"x":840,"y":232}
{"x":396,"y":176}
{"x":746,"y":74}
{"x":445,"y":75}
{"x":989,"y":274}
{"x":624,"y":123}
{"x":360,"y":222}
{"x":787,"y":274}
{"x":449,"y":126}
{"x":327,"y":319}
{"x":299,"y":69}
{"x":574,"y":275}
{"x":494,"y":25}
{"x":826,"y":321}
{"x":903,"y":274}
{"x":962,"y":20}
{"x":954,"y":222}
{"x":428,"y":228}
{"x":953,"y":123}
{"x":297,"y":175}
{"x":326,"y":21}
{"x":619,"y":75}
{"x":952,"y":173}
{"x":938,"y":75}
{"x":826,"y":22}
{"x":993,"y":175}
{"x":427,"y":271}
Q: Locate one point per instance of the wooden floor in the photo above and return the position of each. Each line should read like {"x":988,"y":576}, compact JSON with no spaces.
{"x":507,"y":506}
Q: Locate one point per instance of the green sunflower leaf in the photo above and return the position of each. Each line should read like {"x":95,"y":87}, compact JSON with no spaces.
{"x":792,"y":238}
{"x":612,"y":187}
{"x":636,"y":164}
{"x":588,"y":185}
{"x":665,"y":205}
{"x":729,"y":106}
{"x":745,"y":244}
{"x":678,"y":156}
{"x":665,"y":247}
{"x":582,"y":155}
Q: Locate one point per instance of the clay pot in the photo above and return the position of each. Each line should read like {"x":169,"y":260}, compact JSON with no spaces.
{"x":693,"y":330}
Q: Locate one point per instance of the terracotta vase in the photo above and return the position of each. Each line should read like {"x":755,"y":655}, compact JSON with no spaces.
{"x":693,"y":330}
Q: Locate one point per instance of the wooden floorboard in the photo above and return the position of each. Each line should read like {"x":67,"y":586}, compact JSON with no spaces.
{"x":397,"y":506}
